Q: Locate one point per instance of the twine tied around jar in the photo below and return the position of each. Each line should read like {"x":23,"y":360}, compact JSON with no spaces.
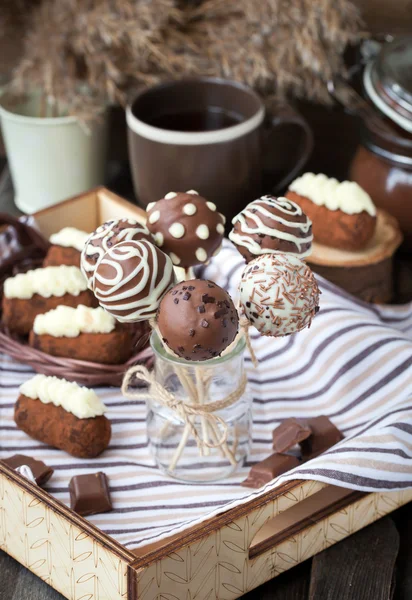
{"x":188,"y":410}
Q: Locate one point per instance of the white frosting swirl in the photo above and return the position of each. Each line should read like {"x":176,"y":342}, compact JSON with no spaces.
{"x":82,"y":402}
{"x":263,"y":208}
{"x":347,"y":196}
{"x":46,"y":282}
{"x":65,"y":321}
{"x":140,"y":262}
{"x":70,"y":237}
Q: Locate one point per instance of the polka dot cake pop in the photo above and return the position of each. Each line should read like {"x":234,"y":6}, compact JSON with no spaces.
{"x":104,"y":238}
{"x":269,"y":225}
{"x":131,"y":279}
{"x":278,"y":294}
{"x":187,"y":227}
{"x":197,"y":320}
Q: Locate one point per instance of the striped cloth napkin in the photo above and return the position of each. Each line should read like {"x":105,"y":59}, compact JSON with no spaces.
{"x":354,"y":364}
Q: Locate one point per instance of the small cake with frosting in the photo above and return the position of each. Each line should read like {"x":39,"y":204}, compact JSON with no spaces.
{"x":186,"y":227}
{"x":82,"y":333}
{"x":105,"y":238}
{"x":66,"y":247}
{"x":342,"y":214}
{"x":278,"y":294}
{"x":27,"y":295}
{"x":131,"y":279}
{"x":63,"y":415}
{"x":269,"y":225}
{"x":197,"y":320}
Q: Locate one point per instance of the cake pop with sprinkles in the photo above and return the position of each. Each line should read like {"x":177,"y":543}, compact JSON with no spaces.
{"x":186,"y":227}
{"x":278,"y":294}
{"x":269,"y":225}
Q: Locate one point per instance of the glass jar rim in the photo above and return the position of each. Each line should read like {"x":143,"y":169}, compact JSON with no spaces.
{"x":160,"y":351}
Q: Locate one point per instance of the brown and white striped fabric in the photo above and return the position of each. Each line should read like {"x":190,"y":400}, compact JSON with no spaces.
{"x":354,"y":365}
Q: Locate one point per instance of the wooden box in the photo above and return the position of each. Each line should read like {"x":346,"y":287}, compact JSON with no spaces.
{"x":222,"y":558}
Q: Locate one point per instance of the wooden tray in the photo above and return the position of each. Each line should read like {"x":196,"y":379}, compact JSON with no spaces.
{"x":223,"y":558}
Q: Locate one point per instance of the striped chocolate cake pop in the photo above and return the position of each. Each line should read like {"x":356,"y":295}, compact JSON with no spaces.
{"x":187,"y":227}
{"x":269,"y":225}
{"x":131,"y":279}
{"x":278,"y":294}
{"x":104,"y":238}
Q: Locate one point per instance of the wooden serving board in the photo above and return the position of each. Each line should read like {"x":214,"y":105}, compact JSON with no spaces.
{"x":222,"y":558}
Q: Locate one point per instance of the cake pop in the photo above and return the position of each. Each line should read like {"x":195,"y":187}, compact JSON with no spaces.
{"x":278,"y":294}
{"x":197,"y":319}
{"x":269,"y":225}
{"x":187,"y":227}
{"x":131,"y":278}
{"x":105,"y":237}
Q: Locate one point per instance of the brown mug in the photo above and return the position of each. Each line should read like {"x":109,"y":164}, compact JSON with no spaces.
{"x":211,"y":135}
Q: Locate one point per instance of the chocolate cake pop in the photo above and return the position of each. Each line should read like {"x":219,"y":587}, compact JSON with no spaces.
{"x":278,"y":294}
{"x":105,"y":237}
{"x":131,"y":278}
{"x":187,"y":227}
{"x":197,"y":319}
{"x":269,"y":225}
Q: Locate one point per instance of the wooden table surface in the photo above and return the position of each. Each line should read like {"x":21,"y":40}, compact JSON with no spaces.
{"x":373,"y":564}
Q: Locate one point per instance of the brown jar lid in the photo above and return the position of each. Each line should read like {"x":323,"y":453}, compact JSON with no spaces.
{"x":388,"y":81}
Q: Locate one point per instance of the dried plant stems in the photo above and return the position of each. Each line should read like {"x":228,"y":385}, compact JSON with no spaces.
{"x":84,"y":54}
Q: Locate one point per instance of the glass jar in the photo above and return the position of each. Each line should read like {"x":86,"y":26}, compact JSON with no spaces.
{"x":191,"y":451}
{"x":382,"y":164}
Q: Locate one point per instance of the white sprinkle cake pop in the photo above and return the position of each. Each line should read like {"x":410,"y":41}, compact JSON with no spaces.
{"x":278,"y":294}
{"x":104,"y":238}
{"x":187,"y":227}
{"x":131,"y":279}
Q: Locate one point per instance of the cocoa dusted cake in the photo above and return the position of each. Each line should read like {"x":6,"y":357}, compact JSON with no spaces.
{"x":354,"y":242}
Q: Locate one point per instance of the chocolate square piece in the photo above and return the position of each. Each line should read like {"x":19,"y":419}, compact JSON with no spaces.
{"x":289,"y":433}
{"x":324,"y":436}
{"x":41,"y":472}
{"x":89,"y":494}
{"x":269,"y":468}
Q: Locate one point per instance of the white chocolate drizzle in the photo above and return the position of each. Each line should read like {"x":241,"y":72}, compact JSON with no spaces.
{"x":69,"y":237}
{"x":220,"y":228}
{"x":170,"y":195}
{"x":154,"y":217}
{"x":194,"y":192}
{"x":211,"y":206}
{"x":347,"y":196}
{"x":46,"y":282}
{"x":65,"y":321}
{"x":82,"y":402}
{"x":159,"y":238}
{"x":100,"y":241}
{"x":261,"y":208}
{"x":150,"y":280}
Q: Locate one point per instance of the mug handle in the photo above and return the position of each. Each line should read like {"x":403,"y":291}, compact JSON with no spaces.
{"x":283,"y":115}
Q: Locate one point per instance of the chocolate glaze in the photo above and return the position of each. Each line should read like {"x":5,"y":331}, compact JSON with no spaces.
{"x":197,"y":319}
{"x":268,"y":469}
{"x":89,"y":494}
{"x":289,"y":433}
{"x":40,"y":470}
